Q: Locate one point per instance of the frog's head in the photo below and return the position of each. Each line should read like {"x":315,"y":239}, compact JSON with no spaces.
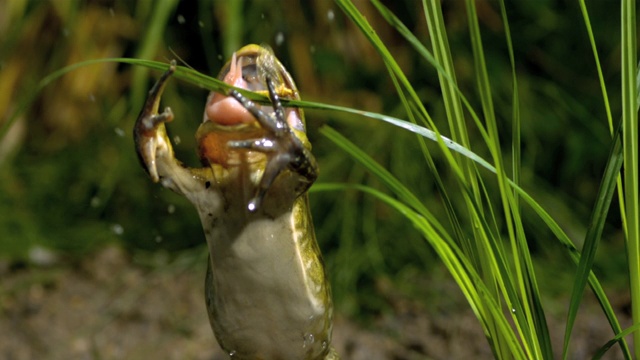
{"x":225,"y":119}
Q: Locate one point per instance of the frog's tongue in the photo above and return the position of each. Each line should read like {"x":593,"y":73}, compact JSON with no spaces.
{"x":225,"y":110}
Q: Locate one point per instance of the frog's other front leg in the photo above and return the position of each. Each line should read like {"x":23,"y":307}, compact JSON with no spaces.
{"x":154,"y":147}
{"x":283,"y":147}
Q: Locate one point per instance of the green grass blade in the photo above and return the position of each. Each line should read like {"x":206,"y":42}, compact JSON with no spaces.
{"x":183,"y":73}
{"x":152,"y":37}
{"x":525,"y":325}
{"x":618,"y":338}
{"x":563,"y":239}
{"x":489,"y":304}
{"x":538,"y":334}
{"x":630,"y":153}
{"x":448,"y":86}
{"x":454,"y":259}
{"x":465,"y":170}
{"x":596,"y":58}
{"x":395,"y":71}
{"x":592,"y":239}
{"x":610,"y":180}
{"x":383,"y":174}
{"x":516,"y":121}
{"x":426,"y":54}
{"x":233,"y":26}
{"x":550,"y":222}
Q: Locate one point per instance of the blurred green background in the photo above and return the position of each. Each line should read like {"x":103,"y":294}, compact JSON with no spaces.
{"x":70,"y":182}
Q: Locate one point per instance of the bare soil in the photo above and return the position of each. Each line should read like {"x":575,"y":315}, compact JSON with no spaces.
{"x":109,"y":307}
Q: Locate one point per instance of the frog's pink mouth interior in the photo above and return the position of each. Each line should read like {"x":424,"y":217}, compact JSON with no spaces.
{"x":225,"y":110}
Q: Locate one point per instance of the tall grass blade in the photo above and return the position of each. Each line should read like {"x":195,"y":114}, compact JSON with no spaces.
{"x":183,"y":73}
{"x":600,"y":210}
{"x":452,"y":257}
{"x":592,"y":239}
{"x":538,"y":333}
{"x":629,"y":65}
{"x":515,"y":118}
{"x":150,"y":40}
{"x":606,"y":103}
{"x":618,"y":338}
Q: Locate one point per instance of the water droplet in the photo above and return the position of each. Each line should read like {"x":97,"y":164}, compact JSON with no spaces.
{"x":42,"y":256}
{"x":119,"y":132}
{"x":181,"y":19}
{"x":330,"y":15}
{"x":324,"y":345}
{"x":177,"y":140}
{"x":166,"y":182}
{"x":95,"y":202}
{"x":279,"y":38}
{"x":513,"y":310}
{"x":117,"y":229}
{"x":232,"y":353}
{"x":171,"y":209}
{"x":308,"y":340}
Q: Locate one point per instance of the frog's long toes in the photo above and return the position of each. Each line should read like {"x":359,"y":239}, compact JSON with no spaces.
{"x":263,"y":145}
{"x":246,"y":103}
{"x":152,"y":122}
{"x":146,"y":154}
{"x":241,"y":144}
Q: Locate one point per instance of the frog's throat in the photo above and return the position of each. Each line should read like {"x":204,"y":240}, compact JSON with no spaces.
{"x":213,"y":142}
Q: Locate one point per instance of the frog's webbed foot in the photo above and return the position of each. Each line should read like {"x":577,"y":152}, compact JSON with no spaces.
{"x":149,"y":132}
{"x":282,"y":147}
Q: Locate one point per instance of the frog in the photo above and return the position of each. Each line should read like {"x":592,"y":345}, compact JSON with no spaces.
{"x":266,"y":289}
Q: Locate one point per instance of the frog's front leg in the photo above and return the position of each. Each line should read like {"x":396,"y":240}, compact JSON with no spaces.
{"x":154,"y":147}
{"x":282,"y":145}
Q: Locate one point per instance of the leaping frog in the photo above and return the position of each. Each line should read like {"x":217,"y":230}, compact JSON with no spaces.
{"x":266,"y":291}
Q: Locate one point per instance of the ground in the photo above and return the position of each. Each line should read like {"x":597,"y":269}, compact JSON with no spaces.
{"x":109,"y":306}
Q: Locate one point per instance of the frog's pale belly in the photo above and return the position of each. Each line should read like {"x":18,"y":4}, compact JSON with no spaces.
{"x":266,"y":293}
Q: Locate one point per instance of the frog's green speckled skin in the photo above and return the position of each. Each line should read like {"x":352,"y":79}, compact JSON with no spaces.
{"x":266,"y":291}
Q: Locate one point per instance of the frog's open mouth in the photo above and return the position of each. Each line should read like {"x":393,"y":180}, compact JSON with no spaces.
{"x":242,"y":72}
{"x":226,"y":119}
{"x":248,"y":69}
